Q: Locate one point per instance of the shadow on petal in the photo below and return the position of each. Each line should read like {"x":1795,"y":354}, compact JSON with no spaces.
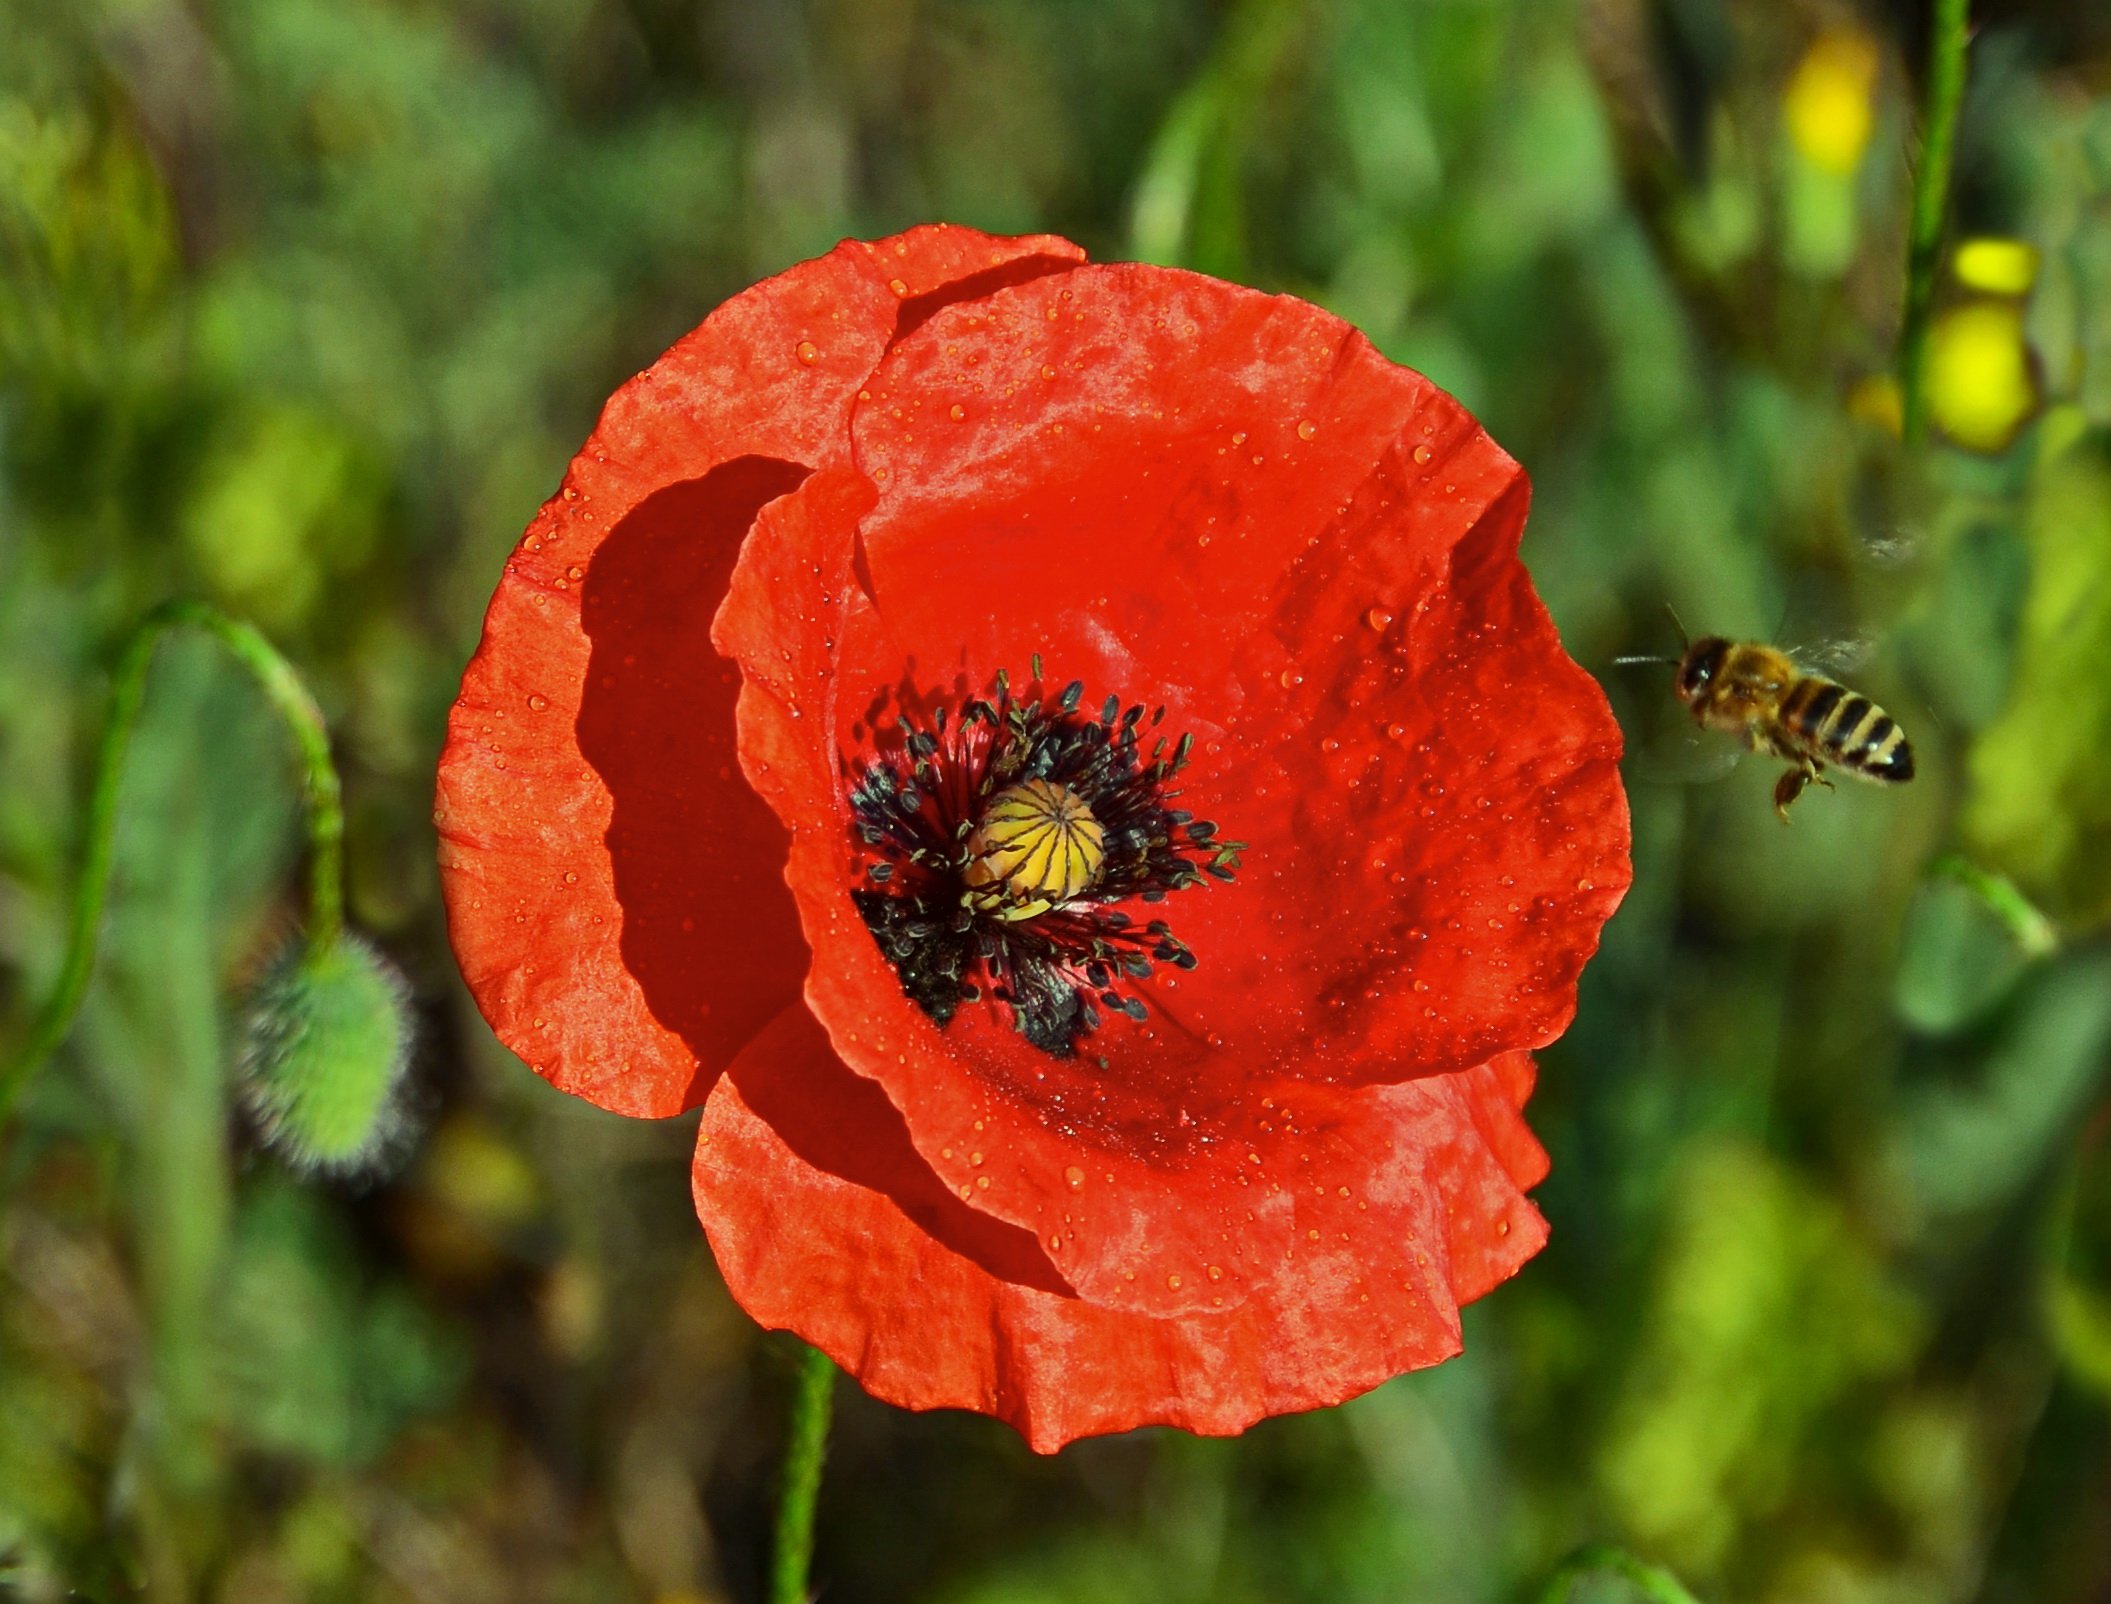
{"x":919,"y":309}
{"x":709,"y":929}
{"x":839,"y":1122}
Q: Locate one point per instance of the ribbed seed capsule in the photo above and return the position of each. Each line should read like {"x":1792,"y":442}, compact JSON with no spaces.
{"x":1036,"y":846}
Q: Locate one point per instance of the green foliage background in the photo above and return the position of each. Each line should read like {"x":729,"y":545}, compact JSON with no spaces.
{"x":304,"y":305}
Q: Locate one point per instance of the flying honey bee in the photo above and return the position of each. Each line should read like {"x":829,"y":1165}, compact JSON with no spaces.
{"x":1762,"y":694}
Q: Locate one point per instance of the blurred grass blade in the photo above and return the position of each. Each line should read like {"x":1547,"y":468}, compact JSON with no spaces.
{"x":1187,"y":208}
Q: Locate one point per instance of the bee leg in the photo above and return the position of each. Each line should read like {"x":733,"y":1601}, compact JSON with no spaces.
{"x":1788,"y":788}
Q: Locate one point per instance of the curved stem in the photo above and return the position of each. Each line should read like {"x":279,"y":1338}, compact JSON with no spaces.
{"x":1948,"y":31}
{"x":811,"y":1404}
{"x":296,"y":708}
{"x":1657,"y":1585}
{"x":2034,"y":935}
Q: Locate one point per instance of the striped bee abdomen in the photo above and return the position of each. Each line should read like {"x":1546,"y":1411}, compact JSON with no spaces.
{"x":1837,"y":725}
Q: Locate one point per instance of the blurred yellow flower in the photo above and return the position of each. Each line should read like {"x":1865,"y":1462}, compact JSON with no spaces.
{"x":1982,"y":387}
{"x":1829,"y":105}
{"x":1996,"y":266}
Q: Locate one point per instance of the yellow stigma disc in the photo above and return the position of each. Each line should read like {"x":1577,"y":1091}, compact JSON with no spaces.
{"x":1037,"y":846}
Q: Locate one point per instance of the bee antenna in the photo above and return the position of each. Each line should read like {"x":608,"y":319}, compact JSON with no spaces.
{"x":1672,"y":613}
{"x":1630,"y":662}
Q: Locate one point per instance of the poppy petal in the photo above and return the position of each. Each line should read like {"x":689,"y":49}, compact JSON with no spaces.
{"x":1193,"y":494}
{"x":613,"y":891}
{"x":825,"y":1221}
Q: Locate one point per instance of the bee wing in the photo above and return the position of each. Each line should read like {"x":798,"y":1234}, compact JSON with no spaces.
{"x":1836,"y":658}
{"x":1687,"y":760}
{"x":1685,"y":757}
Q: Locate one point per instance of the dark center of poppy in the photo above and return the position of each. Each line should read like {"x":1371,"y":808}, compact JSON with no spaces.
{"x":1004,"y":842}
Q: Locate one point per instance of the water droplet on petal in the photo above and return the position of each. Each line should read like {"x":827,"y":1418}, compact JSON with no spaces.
{"x":1422,"y":454}
{"x":1306,"y":429}
{"x":808,"y":351}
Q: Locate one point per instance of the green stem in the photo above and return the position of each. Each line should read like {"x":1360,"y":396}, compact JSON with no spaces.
{"x":290,"y":699}
{"x":802,"y":1478}
{"x":2034,"y":934}
{"x":1658,"y":1586}
{"x":1948,"y":30}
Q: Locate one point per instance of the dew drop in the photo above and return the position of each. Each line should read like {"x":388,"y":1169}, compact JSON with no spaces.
{"x":1306,"y":429}
{"x":1422,"y":454}
{"x":1379,"y":619}
{"x":958,"y":412}
{"x":1173,"y":1281}
{"x":1074,"y":1178}
{"x":808,"y":351}
{"x":537,"y":703}
{"x":897,"y":286}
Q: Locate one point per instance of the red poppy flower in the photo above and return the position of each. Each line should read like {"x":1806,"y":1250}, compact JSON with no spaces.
{"x":1064,"y":764}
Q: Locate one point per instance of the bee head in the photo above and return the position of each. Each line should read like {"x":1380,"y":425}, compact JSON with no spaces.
{"x":1702,"y":661}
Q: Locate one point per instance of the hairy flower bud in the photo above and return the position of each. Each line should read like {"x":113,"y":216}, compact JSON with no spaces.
{"x":327,"y":1043}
